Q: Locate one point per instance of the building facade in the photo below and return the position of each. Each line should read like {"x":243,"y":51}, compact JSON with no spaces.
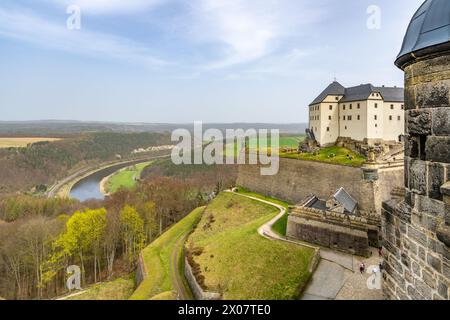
{"x":362,"y":113}
{"x":416,"y":230}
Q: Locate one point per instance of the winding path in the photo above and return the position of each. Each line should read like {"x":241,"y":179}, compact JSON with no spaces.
{"x":335,"y":277}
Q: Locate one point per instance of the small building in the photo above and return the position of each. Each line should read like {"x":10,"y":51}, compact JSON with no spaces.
{"x":333,"y":223}
{"x":363,"y":113}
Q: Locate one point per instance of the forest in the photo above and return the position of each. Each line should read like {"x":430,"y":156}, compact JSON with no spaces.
{"x":40,"y":237}
{"x":39,"y":165}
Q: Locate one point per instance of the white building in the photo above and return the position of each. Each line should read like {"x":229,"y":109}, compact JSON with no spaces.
{"x":362,"y":113}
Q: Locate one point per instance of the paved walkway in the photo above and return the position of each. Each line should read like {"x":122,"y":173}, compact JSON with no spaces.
{"x":337,"y":276}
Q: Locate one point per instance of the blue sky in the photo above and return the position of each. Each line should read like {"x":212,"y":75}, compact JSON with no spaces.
{"x":180,"y":61}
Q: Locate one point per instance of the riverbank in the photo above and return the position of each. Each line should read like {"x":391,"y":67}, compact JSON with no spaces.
{"x":124,"y":178}
{"x":63,"y":188}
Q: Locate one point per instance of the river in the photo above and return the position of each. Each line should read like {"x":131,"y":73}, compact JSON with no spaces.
{"x":89,"y":187}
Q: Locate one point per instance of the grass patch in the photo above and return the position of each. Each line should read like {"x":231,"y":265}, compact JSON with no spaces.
{"x":159,"y":282}
{"x":286,"y":141}
{"x":126,"y":178}
{"x":119,"y":289}
{"x":237,"y":262}
{"x":23,"y":142}
{"x":280,"y":226}
{"x":325,"y":155}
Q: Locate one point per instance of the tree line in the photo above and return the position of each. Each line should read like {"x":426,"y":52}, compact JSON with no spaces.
{"x":41,"y":164}
{"x":43,"y":236}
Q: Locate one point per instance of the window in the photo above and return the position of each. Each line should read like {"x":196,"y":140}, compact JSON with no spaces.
{"x":328,"y":129}
{"x":337,"y":98}
{"x":392,"y":107}
{"x":376,"y":105}
{"x":344,"y":118}
{"x":403,"y":106}
{"x":359,"y":117}
{"x":329,"y":117}
{"x":390,"y":117}
{"x":359,"y":106}
{"x":399,"y":118}
{"x":345,"y":127}
{"x":376,"y":125}
{"x":376,"y":117}
{"x":343,"y":107}
{"x":349,"y":118}
{"x":331,"y":107}
{"x":351,"y":106}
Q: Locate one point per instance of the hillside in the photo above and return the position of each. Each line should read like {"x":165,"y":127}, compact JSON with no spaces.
{"x":162,"y":260}
{"x":41,"y":164}
{"x":119,"y":289}
{"x":233,"y":259}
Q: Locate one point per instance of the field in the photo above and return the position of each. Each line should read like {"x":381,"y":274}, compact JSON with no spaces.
{"x":285,"y":141}
{"x":22,"y":142}
{"x":239,"y":263}
{"x":157,"y":259}
{"x":326,"y":155}
{"x":119,"y":289}
{"x":126,"y":178}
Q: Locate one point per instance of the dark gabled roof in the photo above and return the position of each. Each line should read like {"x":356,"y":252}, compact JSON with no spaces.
{"x":390,"y":94}
{"x":428,"y":32}
{"x":360,"y":93}
{"x":334,"y":88}
{"x":346,"y":200}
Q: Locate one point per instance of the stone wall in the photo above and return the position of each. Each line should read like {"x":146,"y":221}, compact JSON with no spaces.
{"x":298,"y":179}
{"x":197,"y":291}
{"x":416,"y":230}
{"x":328,"y":229}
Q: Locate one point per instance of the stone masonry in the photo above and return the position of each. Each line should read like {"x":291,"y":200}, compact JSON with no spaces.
{"x":416,"y":231}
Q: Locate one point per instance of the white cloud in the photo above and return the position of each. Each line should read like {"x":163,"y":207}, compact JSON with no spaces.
{"x":110,"y":6}
{"x":33,"y":29}
{"x":247,"y":30}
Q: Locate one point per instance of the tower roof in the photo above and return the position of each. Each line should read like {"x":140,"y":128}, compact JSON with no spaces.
{"x":428,"y":32}
{"x":335,"y":88}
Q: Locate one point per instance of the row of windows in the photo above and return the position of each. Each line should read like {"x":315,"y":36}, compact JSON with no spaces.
{"x":358,"y":106}
{"x":349,"y":118}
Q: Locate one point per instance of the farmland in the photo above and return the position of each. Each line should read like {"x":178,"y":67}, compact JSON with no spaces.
{"x":22,"y":142}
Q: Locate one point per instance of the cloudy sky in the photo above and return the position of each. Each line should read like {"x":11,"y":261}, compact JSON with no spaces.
{"x":180,"y":61}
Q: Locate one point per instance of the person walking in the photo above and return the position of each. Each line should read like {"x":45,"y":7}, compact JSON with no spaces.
{"x":362,"y":267}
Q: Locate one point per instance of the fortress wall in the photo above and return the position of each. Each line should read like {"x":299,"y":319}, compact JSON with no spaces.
{"x":416,"y":231}
{"x":297,"y":179}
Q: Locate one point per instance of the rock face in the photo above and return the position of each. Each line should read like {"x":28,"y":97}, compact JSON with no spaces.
{"x":416,"y":230}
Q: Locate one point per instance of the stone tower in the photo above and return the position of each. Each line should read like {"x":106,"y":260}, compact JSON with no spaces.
{"x":416,"y":231}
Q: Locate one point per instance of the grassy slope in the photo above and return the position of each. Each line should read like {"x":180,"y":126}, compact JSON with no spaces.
{"x":158,"y":284}
{"x":126,"y":178}
{"x":241,"y":264}
{"x":281,"y":225}
{"x":119,"y":289}
{"x":324,"y":156}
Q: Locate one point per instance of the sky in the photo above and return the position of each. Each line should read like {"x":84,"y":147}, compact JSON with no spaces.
{"x":179,"y":61}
